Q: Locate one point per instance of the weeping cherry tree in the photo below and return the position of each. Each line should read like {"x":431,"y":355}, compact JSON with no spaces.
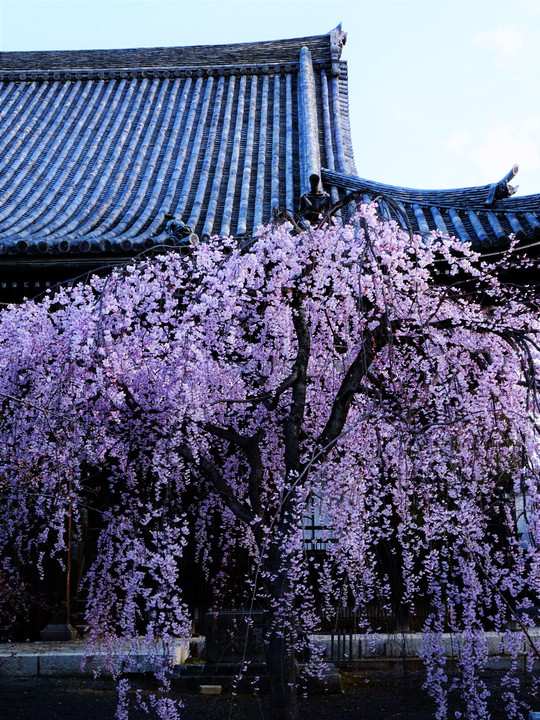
{"x":385,"y":382}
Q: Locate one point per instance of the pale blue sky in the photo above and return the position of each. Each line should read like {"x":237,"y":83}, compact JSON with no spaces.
{"x":443,"y":93}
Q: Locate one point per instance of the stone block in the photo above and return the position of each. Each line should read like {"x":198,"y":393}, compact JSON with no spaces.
{"x":210,"y":689}
{"x":374,"y":645}
{"x":61,"y":632}
{"x":405,"y":645}
{"x":234,"y":637}
{"x":62,"y":665}
{"x":18,"y":665}
{"x":493,"y":642}
{"x":142,"y":662}
{"x":502,"y":664}
{"x":181,"y":652}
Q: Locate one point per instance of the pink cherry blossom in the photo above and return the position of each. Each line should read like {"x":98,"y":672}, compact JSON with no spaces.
{"x":209,"y":402}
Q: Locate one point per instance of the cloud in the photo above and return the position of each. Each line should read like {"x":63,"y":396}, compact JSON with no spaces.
{"x":458,"y":142}
{"x":506,"y":41}
{"x":504,"y":146}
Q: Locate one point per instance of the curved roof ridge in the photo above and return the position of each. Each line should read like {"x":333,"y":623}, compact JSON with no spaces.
{"x":472,"y":214}
{"x":473,"y":196}
{"x":322,"y":48}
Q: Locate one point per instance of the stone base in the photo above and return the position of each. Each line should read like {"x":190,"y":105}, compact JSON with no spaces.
{"x":255,"y":679}
{"x":58,"y":632}
{"x":326,"y":682}
{"x":227,"y":675}
{"x":210,"y":690}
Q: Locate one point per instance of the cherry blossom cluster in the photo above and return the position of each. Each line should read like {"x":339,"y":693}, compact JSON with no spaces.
{"x":205,"y":403}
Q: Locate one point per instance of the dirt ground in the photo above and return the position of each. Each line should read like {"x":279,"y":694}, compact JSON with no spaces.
{"x":366,"y":697}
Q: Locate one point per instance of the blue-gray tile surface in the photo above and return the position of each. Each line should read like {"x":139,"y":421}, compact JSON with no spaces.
{"x":485,"y":216}
{"x":99,"y":149}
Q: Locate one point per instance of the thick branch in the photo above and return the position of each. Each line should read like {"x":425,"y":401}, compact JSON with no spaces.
{"x":271,"y":404}
{"x":293,"y":425}
{"x":250,"y":447}
{"x":351,"y":385}
{"x":268,"y":399}
{"x":228,"y":434}
{"x":242,"y":511}
{"x":253,"y":455}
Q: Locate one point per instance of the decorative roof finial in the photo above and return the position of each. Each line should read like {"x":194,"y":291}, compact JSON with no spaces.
{"x":316,"y":202}
{"x":338,"y":38}
{"x":179,"y":232}
{"x":502,"y":189}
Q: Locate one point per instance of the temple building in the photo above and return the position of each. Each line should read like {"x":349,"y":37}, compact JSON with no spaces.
{"x":106,"y":155}
{"x":109,"y":153}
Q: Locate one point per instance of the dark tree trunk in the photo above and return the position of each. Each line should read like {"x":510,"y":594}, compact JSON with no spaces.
{"x":280,"y":633}
{"x":282,"y":673}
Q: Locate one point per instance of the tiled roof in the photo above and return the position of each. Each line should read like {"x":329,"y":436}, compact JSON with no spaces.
{"x":99,"y":149}
{"x":485,"y":216}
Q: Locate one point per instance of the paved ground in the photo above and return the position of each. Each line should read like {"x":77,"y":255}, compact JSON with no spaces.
{"x":375,"y":697}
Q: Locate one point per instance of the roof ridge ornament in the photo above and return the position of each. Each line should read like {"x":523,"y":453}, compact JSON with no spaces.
{"x":502,"y":189}
{"x":315,"y":203}
{"x":338,"y":38}
{"x":179,"y":232}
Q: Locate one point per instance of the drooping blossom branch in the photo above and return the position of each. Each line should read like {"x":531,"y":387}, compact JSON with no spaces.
{"x":207,"y":405}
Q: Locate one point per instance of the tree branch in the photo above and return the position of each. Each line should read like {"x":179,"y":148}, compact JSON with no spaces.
{"x":293,"y":425}
{"x":250,"y":447}
{"x":351,"y":385}
{"x":268,"y":399}
{"x":240,"y":510}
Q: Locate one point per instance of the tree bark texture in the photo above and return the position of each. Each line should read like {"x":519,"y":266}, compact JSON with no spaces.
{"x":282,"y":673}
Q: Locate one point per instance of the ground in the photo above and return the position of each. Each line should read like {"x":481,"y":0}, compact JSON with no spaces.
{"x":366,"y":697}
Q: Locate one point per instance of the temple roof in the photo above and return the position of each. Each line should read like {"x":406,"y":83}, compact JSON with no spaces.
{"x":101,"y":149}
{"x":484,"y":216}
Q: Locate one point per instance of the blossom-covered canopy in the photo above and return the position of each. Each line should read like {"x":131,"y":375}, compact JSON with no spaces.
{"x":219,"y":395}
